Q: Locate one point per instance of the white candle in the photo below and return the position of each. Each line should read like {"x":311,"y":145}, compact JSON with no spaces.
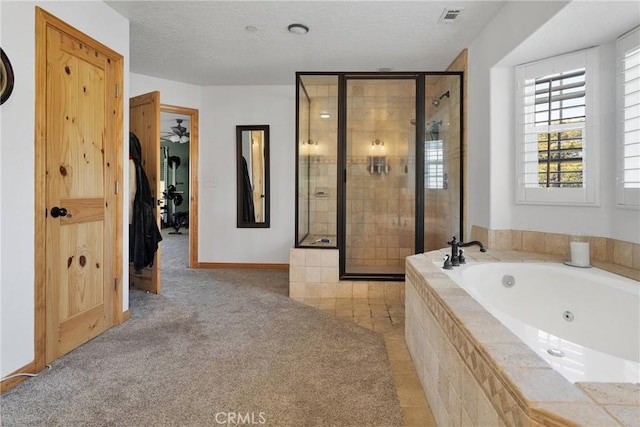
{"x":579,"y":253}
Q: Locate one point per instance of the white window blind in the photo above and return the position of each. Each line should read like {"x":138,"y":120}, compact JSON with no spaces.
{"x":629,"y":118}
{"x":556,"y":100}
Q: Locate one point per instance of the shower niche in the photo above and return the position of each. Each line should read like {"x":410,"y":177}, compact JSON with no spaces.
{"x":379,"y":161}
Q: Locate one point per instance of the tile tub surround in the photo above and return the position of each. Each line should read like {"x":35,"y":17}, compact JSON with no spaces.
{"x":314,"y":273}
{"x":474,"y":371}
{"x":616,"y":256}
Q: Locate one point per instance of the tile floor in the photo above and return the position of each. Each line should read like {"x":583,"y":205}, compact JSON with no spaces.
{"x":386,"y":316}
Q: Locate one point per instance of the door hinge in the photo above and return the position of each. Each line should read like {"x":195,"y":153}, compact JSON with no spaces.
{"x":115,"y":284}
{"x":117,"y":91}
{"x":117,"y":187}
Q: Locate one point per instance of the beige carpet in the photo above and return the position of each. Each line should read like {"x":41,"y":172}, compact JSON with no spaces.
{"x":216,"y":346}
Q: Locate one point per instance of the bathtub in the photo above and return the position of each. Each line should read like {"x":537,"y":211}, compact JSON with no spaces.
{"x":584,"y":322}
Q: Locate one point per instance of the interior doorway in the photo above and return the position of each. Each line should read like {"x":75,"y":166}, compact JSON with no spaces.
{"x":179,"y":174}
{"x":145,"y":122}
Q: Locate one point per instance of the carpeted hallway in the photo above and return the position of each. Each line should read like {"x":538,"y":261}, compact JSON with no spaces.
{"x":217,"y":347}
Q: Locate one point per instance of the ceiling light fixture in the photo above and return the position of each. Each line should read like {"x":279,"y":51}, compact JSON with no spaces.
{"x":298,"y":29}
{"x":325,"y":115}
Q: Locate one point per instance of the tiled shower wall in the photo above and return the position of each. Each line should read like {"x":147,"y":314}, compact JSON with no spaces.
{"x":380,"y":219}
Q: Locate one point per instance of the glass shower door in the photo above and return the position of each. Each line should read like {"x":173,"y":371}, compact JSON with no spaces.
{"x":442,"y":160}
{"x":379,"y":192}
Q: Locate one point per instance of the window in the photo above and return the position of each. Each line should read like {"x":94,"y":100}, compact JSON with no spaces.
{"x":557,"y":140}
{"x":433,"y":165}
{"x":629,"y":119}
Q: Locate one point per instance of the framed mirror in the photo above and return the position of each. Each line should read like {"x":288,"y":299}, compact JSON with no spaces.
{"x":252,"y":154}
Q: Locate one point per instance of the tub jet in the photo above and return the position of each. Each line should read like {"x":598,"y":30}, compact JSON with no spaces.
{"x":555,"y":352}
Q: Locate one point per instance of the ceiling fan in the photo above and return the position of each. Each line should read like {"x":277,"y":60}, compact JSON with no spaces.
{"x":178,"y":133}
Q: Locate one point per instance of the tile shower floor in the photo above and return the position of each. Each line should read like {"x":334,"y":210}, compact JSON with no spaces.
{"x":386,"y":316}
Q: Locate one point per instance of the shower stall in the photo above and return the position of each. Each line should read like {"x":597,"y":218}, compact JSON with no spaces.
{"x":379,"y":163}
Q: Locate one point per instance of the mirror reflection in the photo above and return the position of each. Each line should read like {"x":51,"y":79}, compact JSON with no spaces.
{"x":252,"y":147}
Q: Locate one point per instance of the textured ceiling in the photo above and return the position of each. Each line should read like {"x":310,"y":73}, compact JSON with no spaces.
{"x":206,"y":42}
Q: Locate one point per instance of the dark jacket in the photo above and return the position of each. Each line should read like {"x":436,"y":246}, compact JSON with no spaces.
{"x":144,"y":234}
{"x":248,"y":214}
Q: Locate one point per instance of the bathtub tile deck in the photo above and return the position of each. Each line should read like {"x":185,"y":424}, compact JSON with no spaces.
{"x":515,"y":354}
{"x":577,"y":413}
{"x":612,"y":393}
{"x":545,"y":384}
{"x":626,"y":415}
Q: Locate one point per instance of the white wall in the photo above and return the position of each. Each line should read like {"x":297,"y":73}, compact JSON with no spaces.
{"x":171,"y":93}
{"x":503,"y":34}
{"x":223,"y":108}
{"x":17,"y":37}
{"x":551,"y":28}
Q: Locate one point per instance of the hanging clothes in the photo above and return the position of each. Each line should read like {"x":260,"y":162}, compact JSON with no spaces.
{"x":144,"y":234}
{"x":248,"y":214}
{"x":133,"y":184}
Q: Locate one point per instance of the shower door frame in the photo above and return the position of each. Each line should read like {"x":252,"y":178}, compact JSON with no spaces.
{"x":342,"y":166}
{"x":420,"y":82}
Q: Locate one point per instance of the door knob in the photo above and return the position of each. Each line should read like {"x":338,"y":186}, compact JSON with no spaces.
{"x":56,"y":212}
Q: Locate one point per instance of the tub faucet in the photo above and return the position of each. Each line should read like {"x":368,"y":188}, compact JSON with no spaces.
{"x":447,"y":263}
{"x":456,"y":253}
{"x":454,"y":259}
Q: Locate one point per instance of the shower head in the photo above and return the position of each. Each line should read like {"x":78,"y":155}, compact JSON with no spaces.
{"x":436,"y":102}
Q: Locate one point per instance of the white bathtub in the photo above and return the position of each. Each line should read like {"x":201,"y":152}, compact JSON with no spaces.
{"x":600,"y":344}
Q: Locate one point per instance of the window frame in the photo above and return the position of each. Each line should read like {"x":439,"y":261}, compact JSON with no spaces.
{"x":589,"y":193}
{"x":625,"y":197}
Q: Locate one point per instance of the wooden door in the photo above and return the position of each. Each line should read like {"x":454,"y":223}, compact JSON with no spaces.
{"x":82,"y":142}
{"x":144,"y":121}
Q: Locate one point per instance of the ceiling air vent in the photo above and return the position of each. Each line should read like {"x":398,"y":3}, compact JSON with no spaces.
{"x":449,"y":15}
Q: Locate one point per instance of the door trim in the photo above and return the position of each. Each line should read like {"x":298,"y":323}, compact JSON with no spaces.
{"x":193,"y":176}
{"x":114,"y":275}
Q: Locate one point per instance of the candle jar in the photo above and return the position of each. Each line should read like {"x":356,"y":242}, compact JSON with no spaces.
{"x":579,"y":251}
